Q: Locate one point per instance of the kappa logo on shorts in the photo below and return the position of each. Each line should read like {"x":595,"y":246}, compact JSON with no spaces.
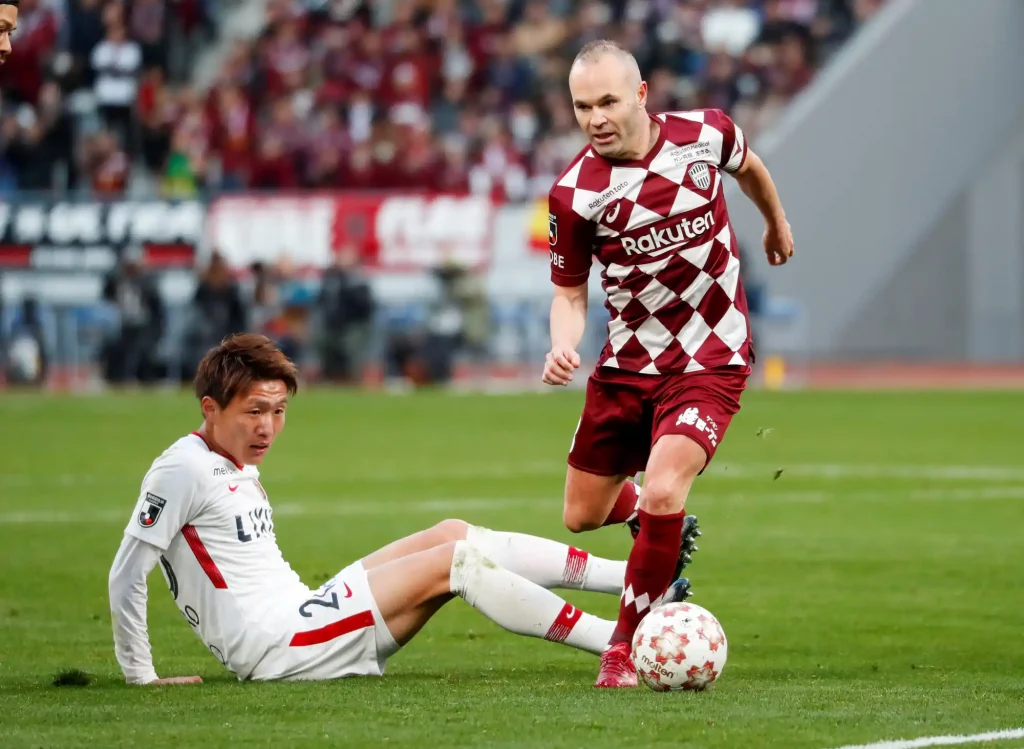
{"x":692,"y":417}
{"x":152,"y":506}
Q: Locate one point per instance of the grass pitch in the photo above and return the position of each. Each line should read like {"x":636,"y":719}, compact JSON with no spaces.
{"x":871,"y":590}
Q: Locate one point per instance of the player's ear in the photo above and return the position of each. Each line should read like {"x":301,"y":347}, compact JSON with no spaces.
{"x":641,"y":94}
{"x":209,"y":407}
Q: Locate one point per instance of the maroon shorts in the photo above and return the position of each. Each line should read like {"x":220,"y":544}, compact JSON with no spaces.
{"x":626,"y":413}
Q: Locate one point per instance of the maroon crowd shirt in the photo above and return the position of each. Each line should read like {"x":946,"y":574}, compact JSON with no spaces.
{"x":660,"y":228}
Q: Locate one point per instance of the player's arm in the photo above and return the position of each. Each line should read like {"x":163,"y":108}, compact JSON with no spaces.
{"x":165,"y":504}
{"x":568,"y":322}
{"x":568,"y":316}
{"x":128,"y":592}
{"x":570,"y":240}
{"x":757,"y":184}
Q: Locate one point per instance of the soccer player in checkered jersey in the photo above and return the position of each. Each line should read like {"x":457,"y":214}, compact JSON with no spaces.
{"x":204,"y":518}
{"x":645,"y":198}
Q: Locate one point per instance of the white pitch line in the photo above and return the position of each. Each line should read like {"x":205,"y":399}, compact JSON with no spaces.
{"x":871,"y":471}
{"x":342,"y":508}
{"x":931,"y":495}
{"x":379,"y":475}
{"x":289,"y":509}
{"x":737,"y":471}
{"x":977,"y":738}
{"x":60,"y":517}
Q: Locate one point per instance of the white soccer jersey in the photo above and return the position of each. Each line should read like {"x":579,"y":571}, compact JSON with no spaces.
{"x":209,"y":523}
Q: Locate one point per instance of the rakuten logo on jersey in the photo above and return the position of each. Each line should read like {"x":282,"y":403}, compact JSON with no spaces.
{"x":656,"y":239}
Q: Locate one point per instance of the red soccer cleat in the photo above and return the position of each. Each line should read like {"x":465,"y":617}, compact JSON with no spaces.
{"x":617,"y":669}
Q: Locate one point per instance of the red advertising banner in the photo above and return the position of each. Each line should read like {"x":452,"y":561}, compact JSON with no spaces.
{"x":391,"y":232}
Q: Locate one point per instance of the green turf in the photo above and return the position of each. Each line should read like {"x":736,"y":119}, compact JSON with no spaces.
{"x":872,"y":591}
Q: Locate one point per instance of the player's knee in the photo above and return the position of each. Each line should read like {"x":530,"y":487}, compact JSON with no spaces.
{"x":578,"y":519}
{"x":448,"y":531}
{"x":467,"y":564}
{"x":662,"y":497}
{"x":667,"y":484}
{"x":450,"y":556}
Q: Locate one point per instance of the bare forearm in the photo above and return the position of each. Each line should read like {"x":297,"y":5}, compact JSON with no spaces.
{"x":568,"y":320}
{"x":757,"y":184}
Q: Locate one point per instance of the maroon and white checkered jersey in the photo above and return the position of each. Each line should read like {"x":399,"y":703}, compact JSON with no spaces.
{"x":660,"y":228}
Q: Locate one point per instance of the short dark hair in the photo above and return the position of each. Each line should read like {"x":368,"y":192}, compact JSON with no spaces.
{"x":10,"y":2}
{"x":240,"y":361}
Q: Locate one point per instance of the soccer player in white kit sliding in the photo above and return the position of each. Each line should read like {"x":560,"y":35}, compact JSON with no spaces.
{"x":203,"y":516}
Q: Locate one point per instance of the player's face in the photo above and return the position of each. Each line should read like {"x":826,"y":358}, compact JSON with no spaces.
{"x":609,"y":108}
{"x":8,"y":22}
{"x":248,"y":426}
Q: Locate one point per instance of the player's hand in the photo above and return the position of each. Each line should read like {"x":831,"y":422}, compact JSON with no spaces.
{"x":778,"y":243}
{"x":178,"y":680}
{"x":559,"y":365}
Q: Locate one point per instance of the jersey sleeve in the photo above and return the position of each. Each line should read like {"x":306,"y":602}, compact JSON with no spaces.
{"x":167,"y":500}
{"x":734,"y":142}
{"x":128,"y":593}
{"x":570,"y":243}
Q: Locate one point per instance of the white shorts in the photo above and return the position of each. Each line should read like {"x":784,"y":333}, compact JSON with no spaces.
{"x":337,"y":632}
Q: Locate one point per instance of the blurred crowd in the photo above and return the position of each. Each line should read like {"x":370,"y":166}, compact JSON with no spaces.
{"x":71,"y":114}
{"x":455,"y":95}
{"x":333,"y":328}
{"x":100,"y":98}
{"x":331,"y":319}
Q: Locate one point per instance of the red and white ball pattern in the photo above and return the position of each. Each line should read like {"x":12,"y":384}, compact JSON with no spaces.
{"x":679,"y":646}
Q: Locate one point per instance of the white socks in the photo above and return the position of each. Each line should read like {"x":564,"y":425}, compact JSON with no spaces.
{"x":521,"y":606}
{"x":549,"y":563}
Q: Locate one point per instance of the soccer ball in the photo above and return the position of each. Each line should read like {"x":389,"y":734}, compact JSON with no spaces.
{"x":679,"y":646}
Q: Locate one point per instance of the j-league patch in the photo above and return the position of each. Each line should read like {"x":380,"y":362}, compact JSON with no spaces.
{"x":152,"y":506}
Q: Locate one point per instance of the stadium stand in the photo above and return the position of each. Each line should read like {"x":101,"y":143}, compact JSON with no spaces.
{"x":454,"y":95}
{"x":163,"y":120}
